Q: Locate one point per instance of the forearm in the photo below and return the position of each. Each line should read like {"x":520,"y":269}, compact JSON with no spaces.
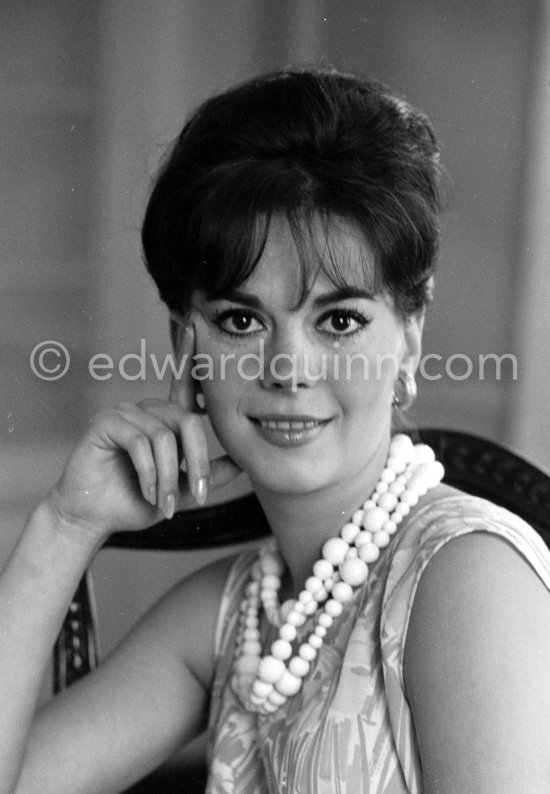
{"x":36,"y":588}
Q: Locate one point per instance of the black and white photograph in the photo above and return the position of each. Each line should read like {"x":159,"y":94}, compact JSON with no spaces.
{"x":275,"y":394}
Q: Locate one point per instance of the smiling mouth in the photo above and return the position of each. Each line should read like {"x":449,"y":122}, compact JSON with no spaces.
{"x":289,"y":431}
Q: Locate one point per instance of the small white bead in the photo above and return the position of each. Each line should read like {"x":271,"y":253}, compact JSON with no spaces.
{"x":315,"y":642}
{"x":270,"y":707}
{"x":325,"y":620}
{"x":387,"y":501}
{"x":334,"y":550}
{"x":418,"y":485}
{"x":258,"y":700}
{"x":381,"y":539}
{"x":320,"y":631}
{"x":253,"y":588}
{"x":295,"y":619}
{"x":252,"y":647}
{"x":369,"y":553}
{"x":271,"y":582}
{"x":271,"y":669}
{"x":363,"y":537}
{"x":313,"y":584}
{"x":276,"y":699}
{"x":299,"y":666}
{"x":333,"y":608}
{"x":387,"y":475}
{"x":311,"y":608}
{"x":281,"y":649}
{"x":396,"y":488}
{"x":298,"y":607}
{"x":251,"y":621}
{"x":342,"y":592}
{"x":288,"y":632}
{"x":390,"y":527}
{"x":261,"y":688}
{"x":402,"y":509}
{"x":357,"y":517}
{"x":323,"y":569}
{"x":272,"y":563}
{"x":305,"y":597}
{"x":352,"y":554}
{"x":286,"y":609}
{"x":374,"y":519}
{"x":381,"y":488}
{"x":369,"y":504}
{"x":307,"y":652}
{"x":397,"y":463}
{"x":354,"y":572}
{"x":251,"y":634}
{"x":348,"y":532}
{"x":409,"y":498}
{"x":289,"y":684}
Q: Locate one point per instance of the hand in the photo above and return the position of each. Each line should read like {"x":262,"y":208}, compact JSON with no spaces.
{"x":126,"y":473}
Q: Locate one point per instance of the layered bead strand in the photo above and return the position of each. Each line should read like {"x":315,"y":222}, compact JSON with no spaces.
{"x":264,"y":684}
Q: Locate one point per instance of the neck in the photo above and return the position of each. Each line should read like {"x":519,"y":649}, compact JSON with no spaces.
{"x":301,"y":523}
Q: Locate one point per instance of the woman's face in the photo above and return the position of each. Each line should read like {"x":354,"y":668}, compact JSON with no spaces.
{"x":301,"y":392}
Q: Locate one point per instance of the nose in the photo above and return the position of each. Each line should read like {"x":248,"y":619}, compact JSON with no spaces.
{"x":291,"y":362}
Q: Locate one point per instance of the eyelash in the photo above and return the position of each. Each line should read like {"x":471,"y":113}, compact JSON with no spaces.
{"x":354,"y":314}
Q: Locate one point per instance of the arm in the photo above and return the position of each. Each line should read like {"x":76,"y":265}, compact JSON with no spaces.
{"x":477,"y":670}
{"x":124,"y":473}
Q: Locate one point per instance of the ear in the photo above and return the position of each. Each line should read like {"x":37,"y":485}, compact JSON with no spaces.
{"x":177,"y":326}
{"x":414,"y":327}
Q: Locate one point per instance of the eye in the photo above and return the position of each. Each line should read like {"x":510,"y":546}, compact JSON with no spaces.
{"x":342,"y":322}
{"x":238,"y":322}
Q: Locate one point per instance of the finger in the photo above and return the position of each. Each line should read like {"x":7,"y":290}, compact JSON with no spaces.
{"x":159,"y":420}
{"x":190,"y":430}
{"x":182,"y":387}
{"x":117,"y":432}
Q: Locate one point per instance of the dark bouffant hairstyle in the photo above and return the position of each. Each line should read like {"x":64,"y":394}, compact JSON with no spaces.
{"x":318,"y":147}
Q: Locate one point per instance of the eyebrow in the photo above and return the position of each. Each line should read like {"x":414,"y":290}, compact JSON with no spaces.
{"x":341,"y":294}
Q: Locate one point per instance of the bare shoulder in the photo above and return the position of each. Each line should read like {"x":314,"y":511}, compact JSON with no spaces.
{"x":477,"y":669}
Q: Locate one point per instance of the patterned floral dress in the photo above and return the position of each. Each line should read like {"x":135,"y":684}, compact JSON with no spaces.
{"x":349,"y":730}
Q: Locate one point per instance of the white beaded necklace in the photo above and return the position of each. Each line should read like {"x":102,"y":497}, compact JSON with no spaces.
{"x":264,"y":684}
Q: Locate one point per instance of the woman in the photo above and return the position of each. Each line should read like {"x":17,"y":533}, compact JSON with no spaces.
{"x":292,"y":233}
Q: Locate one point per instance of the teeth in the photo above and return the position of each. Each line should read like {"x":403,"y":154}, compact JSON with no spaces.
{"x":285,"y":425}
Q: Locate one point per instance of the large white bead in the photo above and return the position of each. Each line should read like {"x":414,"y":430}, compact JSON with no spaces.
{"x":281,"y":649}
{"x":369,"y":553}
{"x":271,"y":669}
{"x":299,"y":666}
{"x":397,"y":463}
{"x":334,"y":550}
{"x":390,"y":527}
{"x":289,"y":684}
{"x":401,"y":444}
{"x":323,"y":569}
{"x":325,"y":620}
{"x":402,"y":509}
{"x":424,"y":453}
{"x":348,"y":532}
{"x":247,"y":664}
{"x":354,"y":572}
{"x":342,"y":592}
{"x":374,"y":519}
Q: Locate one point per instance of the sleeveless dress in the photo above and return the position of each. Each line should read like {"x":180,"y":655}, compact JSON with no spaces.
{"x":349,"y":730}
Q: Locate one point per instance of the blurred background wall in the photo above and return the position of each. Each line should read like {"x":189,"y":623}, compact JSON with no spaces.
{"x":92,"y":93}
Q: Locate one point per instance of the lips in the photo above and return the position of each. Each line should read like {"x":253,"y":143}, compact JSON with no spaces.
{"x":289,"y":431}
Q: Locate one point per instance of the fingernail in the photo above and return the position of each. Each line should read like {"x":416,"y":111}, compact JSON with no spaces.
{"x":169,"y":505}
{"x":152,"y":495}
{"x":201,"y":490}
